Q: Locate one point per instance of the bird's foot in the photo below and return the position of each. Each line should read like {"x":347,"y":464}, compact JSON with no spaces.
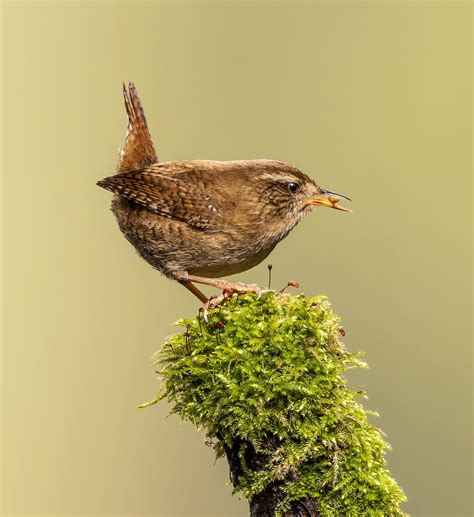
{"x":227,"y":286}
{"x":238,"y":288}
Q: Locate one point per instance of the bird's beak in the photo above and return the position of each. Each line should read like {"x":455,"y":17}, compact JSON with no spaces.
{"x":331,"y":201}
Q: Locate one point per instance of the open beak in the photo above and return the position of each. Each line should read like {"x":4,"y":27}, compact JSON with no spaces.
{"x":331,"y":201}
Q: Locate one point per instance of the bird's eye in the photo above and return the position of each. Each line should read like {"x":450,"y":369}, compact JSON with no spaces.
{"x":293,"y":187}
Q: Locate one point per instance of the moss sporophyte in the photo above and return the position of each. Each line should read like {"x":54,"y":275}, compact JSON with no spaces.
{"x":264,"y":377}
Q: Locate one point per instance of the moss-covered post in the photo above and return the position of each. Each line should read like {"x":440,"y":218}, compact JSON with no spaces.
{"x":268,"y":500}
{"x":265,"y":379}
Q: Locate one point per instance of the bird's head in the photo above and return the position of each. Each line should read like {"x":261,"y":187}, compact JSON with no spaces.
{"x":289,"y":191}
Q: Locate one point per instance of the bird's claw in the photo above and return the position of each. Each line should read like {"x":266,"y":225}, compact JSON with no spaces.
{"x":226,"y":296}
{"x":210,"y":304}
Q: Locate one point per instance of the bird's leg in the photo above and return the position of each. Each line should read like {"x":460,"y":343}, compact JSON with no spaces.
{"x":184,"y":278}
{"x":224,"y":285}
{"x":197,"y":292}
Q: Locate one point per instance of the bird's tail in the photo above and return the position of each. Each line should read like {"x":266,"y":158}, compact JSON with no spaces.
{"x":138,"y":151}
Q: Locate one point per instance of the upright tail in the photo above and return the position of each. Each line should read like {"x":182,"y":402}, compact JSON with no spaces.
{"x":138,"y":151}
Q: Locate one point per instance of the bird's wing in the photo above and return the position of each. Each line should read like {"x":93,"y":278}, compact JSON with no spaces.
{"x":168,"y":196}
{"x":138,"y":151}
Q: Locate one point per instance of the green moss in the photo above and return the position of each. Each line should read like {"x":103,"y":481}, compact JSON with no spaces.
{"x":269,"y":373}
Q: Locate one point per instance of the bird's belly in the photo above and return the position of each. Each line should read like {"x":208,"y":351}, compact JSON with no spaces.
{"x":229,"y":263}
{"x":170,"y":245}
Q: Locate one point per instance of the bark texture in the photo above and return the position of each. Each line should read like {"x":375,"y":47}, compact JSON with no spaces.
{"x":264,"y":503}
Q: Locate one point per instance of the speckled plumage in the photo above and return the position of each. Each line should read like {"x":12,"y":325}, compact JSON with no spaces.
{"x":202,"y":217}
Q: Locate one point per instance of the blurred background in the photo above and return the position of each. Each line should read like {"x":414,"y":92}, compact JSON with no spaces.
{"x":373,"y":100}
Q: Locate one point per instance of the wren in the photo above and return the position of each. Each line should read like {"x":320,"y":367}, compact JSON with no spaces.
{"x":199,"y":220}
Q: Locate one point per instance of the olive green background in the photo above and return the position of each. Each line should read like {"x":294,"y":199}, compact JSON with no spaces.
{"x":371,"y":99}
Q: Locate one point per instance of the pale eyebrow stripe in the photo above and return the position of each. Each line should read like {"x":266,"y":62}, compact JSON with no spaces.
{"x":282,"y":177}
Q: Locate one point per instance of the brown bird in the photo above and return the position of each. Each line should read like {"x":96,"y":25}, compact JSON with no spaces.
{"x":198,"y":220}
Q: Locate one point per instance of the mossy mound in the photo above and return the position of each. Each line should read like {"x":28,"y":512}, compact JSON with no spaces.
{"x":267,"y":374}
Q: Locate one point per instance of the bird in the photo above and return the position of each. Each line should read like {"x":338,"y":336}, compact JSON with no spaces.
{"x":197,"y":221}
